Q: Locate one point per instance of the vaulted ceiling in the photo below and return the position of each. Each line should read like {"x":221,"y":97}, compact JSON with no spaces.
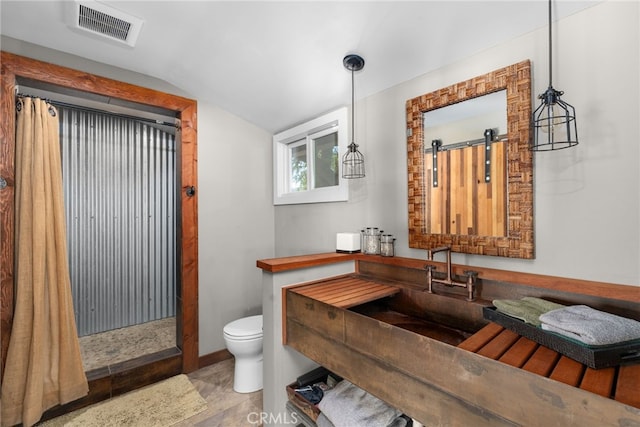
{"x":276,"y":64}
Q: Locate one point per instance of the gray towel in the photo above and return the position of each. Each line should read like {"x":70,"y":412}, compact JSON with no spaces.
{"x":323,"y":421}
{"x":527,"y":309}
{"x":349,"y":406}
{"x":590,"y":326}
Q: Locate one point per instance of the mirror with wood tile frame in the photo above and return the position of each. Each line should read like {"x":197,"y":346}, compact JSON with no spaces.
{"x":449,"y":201}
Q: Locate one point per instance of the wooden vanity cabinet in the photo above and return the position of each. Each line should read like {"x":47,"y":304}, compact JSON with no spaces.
{"x":435,"y":382}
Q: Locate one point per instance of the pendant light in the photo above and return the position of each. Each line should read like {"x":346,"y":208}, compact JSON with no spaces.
{"x":353,"y":160}
{"x":554,"y":120}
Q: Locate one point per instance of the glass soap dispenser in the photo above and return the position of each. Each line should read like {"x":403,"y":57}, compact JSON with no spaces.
{"x":371,"y":240}
{"x":386,"y":245}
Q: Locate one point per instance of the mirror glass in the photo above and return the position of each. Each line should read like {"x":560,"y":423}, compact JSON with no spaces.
{"x":470,"y":170}
{"x":465,"y":171}
{"x":465,"y":122}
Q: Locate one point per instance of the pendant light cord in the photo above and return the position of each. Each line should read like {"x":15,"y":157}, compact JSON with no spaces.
{"x":550,"y":48}
{"x":353,"y":107}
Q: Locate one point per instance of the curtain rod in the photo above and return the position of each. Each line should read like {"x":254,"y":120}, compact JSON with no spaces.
{"x":96,"y":110}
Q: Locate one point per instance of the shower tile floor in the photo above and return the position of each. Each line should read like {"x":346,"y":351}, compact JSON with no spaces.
{"x":119,"y":345}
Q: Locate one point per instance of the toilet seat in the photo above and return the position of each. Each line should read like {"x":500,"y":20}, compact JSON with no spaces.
{"x":246,"y":328}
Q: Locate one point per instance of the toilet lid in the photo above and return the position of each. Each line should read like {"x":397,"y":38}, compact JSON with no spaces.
{"x":246,"y":327}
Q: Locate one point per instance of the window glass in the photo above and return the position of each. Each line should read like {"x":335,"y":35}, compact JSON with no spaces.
{"x":298,"y":165}
{"x":326,"y":160}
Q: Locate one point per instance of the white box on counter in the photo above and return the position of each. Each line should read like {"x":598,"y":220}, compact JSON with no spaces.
{"x":348,"y":242}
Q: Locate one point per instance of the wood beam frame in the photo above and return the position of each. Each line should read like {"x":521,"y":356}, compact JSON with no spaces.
{"x":15,"y":67}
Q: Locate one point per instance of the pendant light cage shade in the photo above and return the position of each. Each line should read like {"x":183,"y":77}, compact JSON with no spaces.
{"x":353,"y":163}
{"x":353,"y":160}
{"x":554,"y":123}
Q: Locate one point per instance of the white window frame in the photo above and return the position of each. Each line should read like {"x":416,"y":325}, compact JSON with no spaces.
{"x":334,"y":121}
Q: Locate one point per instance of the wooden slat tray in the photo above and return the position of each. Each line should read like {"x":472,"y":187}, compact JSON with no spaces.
{"x":621,"y":383}
{"x":595,"y":357}
{"x":346,"y":292}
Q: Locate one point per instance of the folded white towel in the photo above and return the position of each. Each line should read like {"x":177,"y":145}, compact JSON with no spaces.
{"x":590,"y":326}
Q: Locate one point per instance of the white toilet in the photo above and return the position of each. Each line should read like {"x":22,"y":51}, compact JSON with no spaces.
{"x":243,"y":338}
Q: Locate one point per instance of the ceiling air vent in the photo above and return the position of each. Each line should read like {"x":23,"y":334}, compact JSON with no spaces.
{"x":105,"y":21}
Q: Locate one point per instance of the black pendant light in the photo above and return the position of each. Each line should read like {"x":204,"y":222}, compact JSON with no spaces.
{"x":554,"y":120}
{"x":353,"y":160}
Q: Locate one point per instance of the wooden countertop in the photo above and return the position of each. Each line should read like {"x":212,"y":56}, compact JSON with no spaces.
{"x":275,"y":265}
{"x":579,"y":286}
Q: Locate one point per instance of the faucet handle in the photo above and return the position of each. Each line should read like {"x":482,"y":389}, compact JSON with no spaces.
{"x":471,"y":278}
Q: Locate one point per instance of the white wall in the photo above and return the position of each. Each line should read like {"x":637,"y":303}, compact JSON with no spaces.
{"x":235,"y":220}
{"x":57,"y":57}
{"x":587,"y":218}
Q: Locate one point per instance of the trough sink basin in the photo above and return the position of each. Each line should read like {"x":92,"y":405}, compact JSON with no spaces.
{"x":380,"y":310}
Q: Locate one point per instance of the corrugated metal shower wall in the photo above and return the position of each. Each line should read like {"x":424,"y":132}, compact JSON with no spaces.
{"x":119,"y":185}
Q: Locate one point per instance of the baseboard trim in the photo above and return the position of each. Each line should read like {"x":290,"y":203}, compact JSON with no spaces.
{"x":212,"y":358}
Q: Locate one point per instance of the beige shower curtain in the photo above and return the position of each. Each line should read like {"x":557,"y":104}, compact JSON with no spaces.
{"x":43,"y":366}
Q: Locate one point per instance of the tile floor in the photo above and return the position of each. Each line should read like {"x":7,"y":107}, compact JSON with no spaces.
{"x":225,"y":408}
